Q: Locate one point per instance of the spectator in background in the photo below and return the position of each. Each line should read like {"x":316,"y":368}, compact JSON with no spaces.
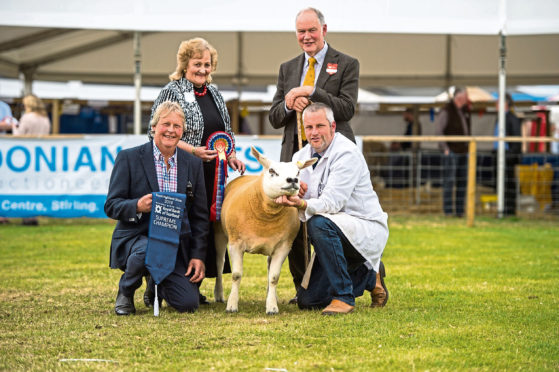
{"x":6,"y":118}
{"x":35,"y":120}
{"x":244,"y":126}
{"x":409,"y":120}
{"x":454,"y":120}
{"x":555,"y":134}
{"x":512,"y":154}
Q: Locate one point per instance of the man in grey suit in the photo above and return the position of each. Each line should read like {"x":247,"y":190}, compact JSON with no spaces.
{"x":319,"y":74}
{"x":335,"y":83}
{"x":158,"y":165}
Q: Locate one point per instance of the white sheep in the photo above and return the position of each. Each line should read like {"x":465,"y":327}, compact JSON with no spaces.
{"x":252,"y":222}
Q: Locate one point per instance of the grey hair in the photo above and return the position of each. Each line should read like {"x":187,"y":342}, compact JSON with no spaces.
{"x":458,"y":90}
{"x":319,"y":106}
{"x":318,"y":13}
{"x":165,"y":109}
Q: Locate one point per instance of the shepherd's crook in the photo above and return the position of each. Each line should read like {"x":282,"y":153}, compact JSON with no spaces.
{"x":305,"y":281}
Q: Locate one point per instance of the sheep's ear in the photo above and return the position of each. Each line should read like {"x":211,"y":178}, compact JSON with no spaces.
{"x":261,"y":158}
{"x":306,"y":163}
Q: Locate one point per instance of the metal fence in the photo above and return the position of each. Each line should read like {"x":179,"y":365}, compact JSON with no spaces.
{"x":411,"y":181}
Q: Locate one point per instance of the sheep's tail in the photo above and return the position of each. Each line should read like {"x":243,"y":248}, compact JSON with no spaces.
{"x":219,"y":188}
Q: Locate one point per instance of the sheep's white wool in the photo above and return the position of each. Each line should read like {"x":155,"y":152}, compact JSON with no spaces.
{"x":249,"y":200}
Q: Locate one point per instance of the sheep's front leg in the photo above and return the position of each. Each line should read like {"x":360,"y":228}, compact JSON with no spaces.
{"x":221,"y":248}
{"x":236,"y":257}
{"x":274,"y":268}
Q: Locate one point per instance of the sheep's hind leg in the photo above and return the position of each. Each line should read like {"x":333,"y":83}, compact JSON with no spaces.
{"x":236,"y":257}
{"x":221,"y":248}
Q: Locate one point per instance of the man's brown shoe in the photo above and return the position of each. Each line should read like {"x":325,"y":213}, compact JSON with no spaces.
{"x":337,"y":307}
{"x":379,"y":296}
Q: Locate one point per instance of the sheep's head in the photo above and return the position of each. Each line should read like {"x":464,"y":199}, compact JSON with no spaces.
{"x":280,"y":178}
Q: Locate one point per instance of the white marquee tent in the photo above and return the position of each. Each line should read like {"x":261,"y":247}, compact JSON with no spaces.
{"x":398,"y":42}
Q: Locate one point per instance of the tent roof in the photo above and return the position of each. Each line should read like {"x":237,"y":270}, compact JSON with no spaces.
{"x":478,"y":17}
{"x":398,"y":42}
{"x":254,"y":58}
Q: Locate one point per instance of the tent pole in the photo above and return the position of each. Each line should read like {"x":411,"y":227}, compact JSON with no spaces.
{"x":448,"y":63}
{"x":137,"y":83}
{"x":27,"y":76}
{"x":501,"y":126}
{"x":235,"y":120}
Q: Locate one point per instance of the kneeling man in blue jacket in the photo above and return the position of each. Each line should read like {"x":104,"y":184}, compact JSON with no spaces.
{"x":157,"y":166}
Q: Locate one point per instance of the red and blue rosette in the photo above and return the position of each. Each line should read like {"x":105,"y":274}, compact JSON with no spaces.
{"x":223,"y":143}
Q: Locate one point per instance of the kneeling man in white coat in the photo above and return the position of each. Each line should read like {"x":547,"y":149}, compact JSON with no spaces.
{"x":345,"y":221}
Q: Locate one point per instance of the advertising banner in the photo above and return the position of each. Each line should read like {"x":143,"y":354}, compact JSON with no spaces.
{"x":69,"y":177}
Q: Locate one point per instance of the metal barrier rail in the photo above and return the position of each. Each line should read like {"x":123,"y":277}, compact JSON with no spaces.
{"x":410,"y":164}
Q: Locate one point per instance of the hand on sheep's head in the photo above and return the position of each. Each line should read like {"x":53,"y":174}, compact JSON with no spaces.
{"x":280,"y":178}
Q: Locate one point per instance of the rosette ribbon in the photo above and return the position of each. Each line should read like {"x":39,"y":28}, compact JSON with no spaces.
{"x":224,"y":145}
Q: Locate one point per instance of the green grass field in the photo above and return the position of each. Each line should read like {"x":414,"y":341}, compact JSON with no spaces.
{"x":484,"y":298}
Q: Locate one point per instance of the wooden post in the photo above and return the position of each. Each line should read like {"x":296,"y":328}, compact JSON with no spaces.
{"x":235,"y":115}
{"x":471,"y":191}
{"x":415,"y":127}
{"x":261,"y":120}
{"x":55,"y":116}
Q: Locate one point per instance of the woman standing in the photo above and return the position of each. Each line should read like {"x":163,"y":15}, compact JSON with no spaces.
{"x":205,"y":113}
{"x":34,"y":120}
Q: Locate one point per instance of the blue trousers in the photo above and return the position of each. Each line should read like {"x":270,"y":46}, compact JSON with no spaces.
{"x":176,"y":289}
{"x":455,"y":174}
{"x":338,"y":272}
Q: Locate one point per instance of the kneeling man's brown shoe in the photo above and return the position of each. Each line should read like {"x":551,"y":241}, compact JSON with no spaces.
{"x":379,"y":295}
{"x":337,"y":307}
